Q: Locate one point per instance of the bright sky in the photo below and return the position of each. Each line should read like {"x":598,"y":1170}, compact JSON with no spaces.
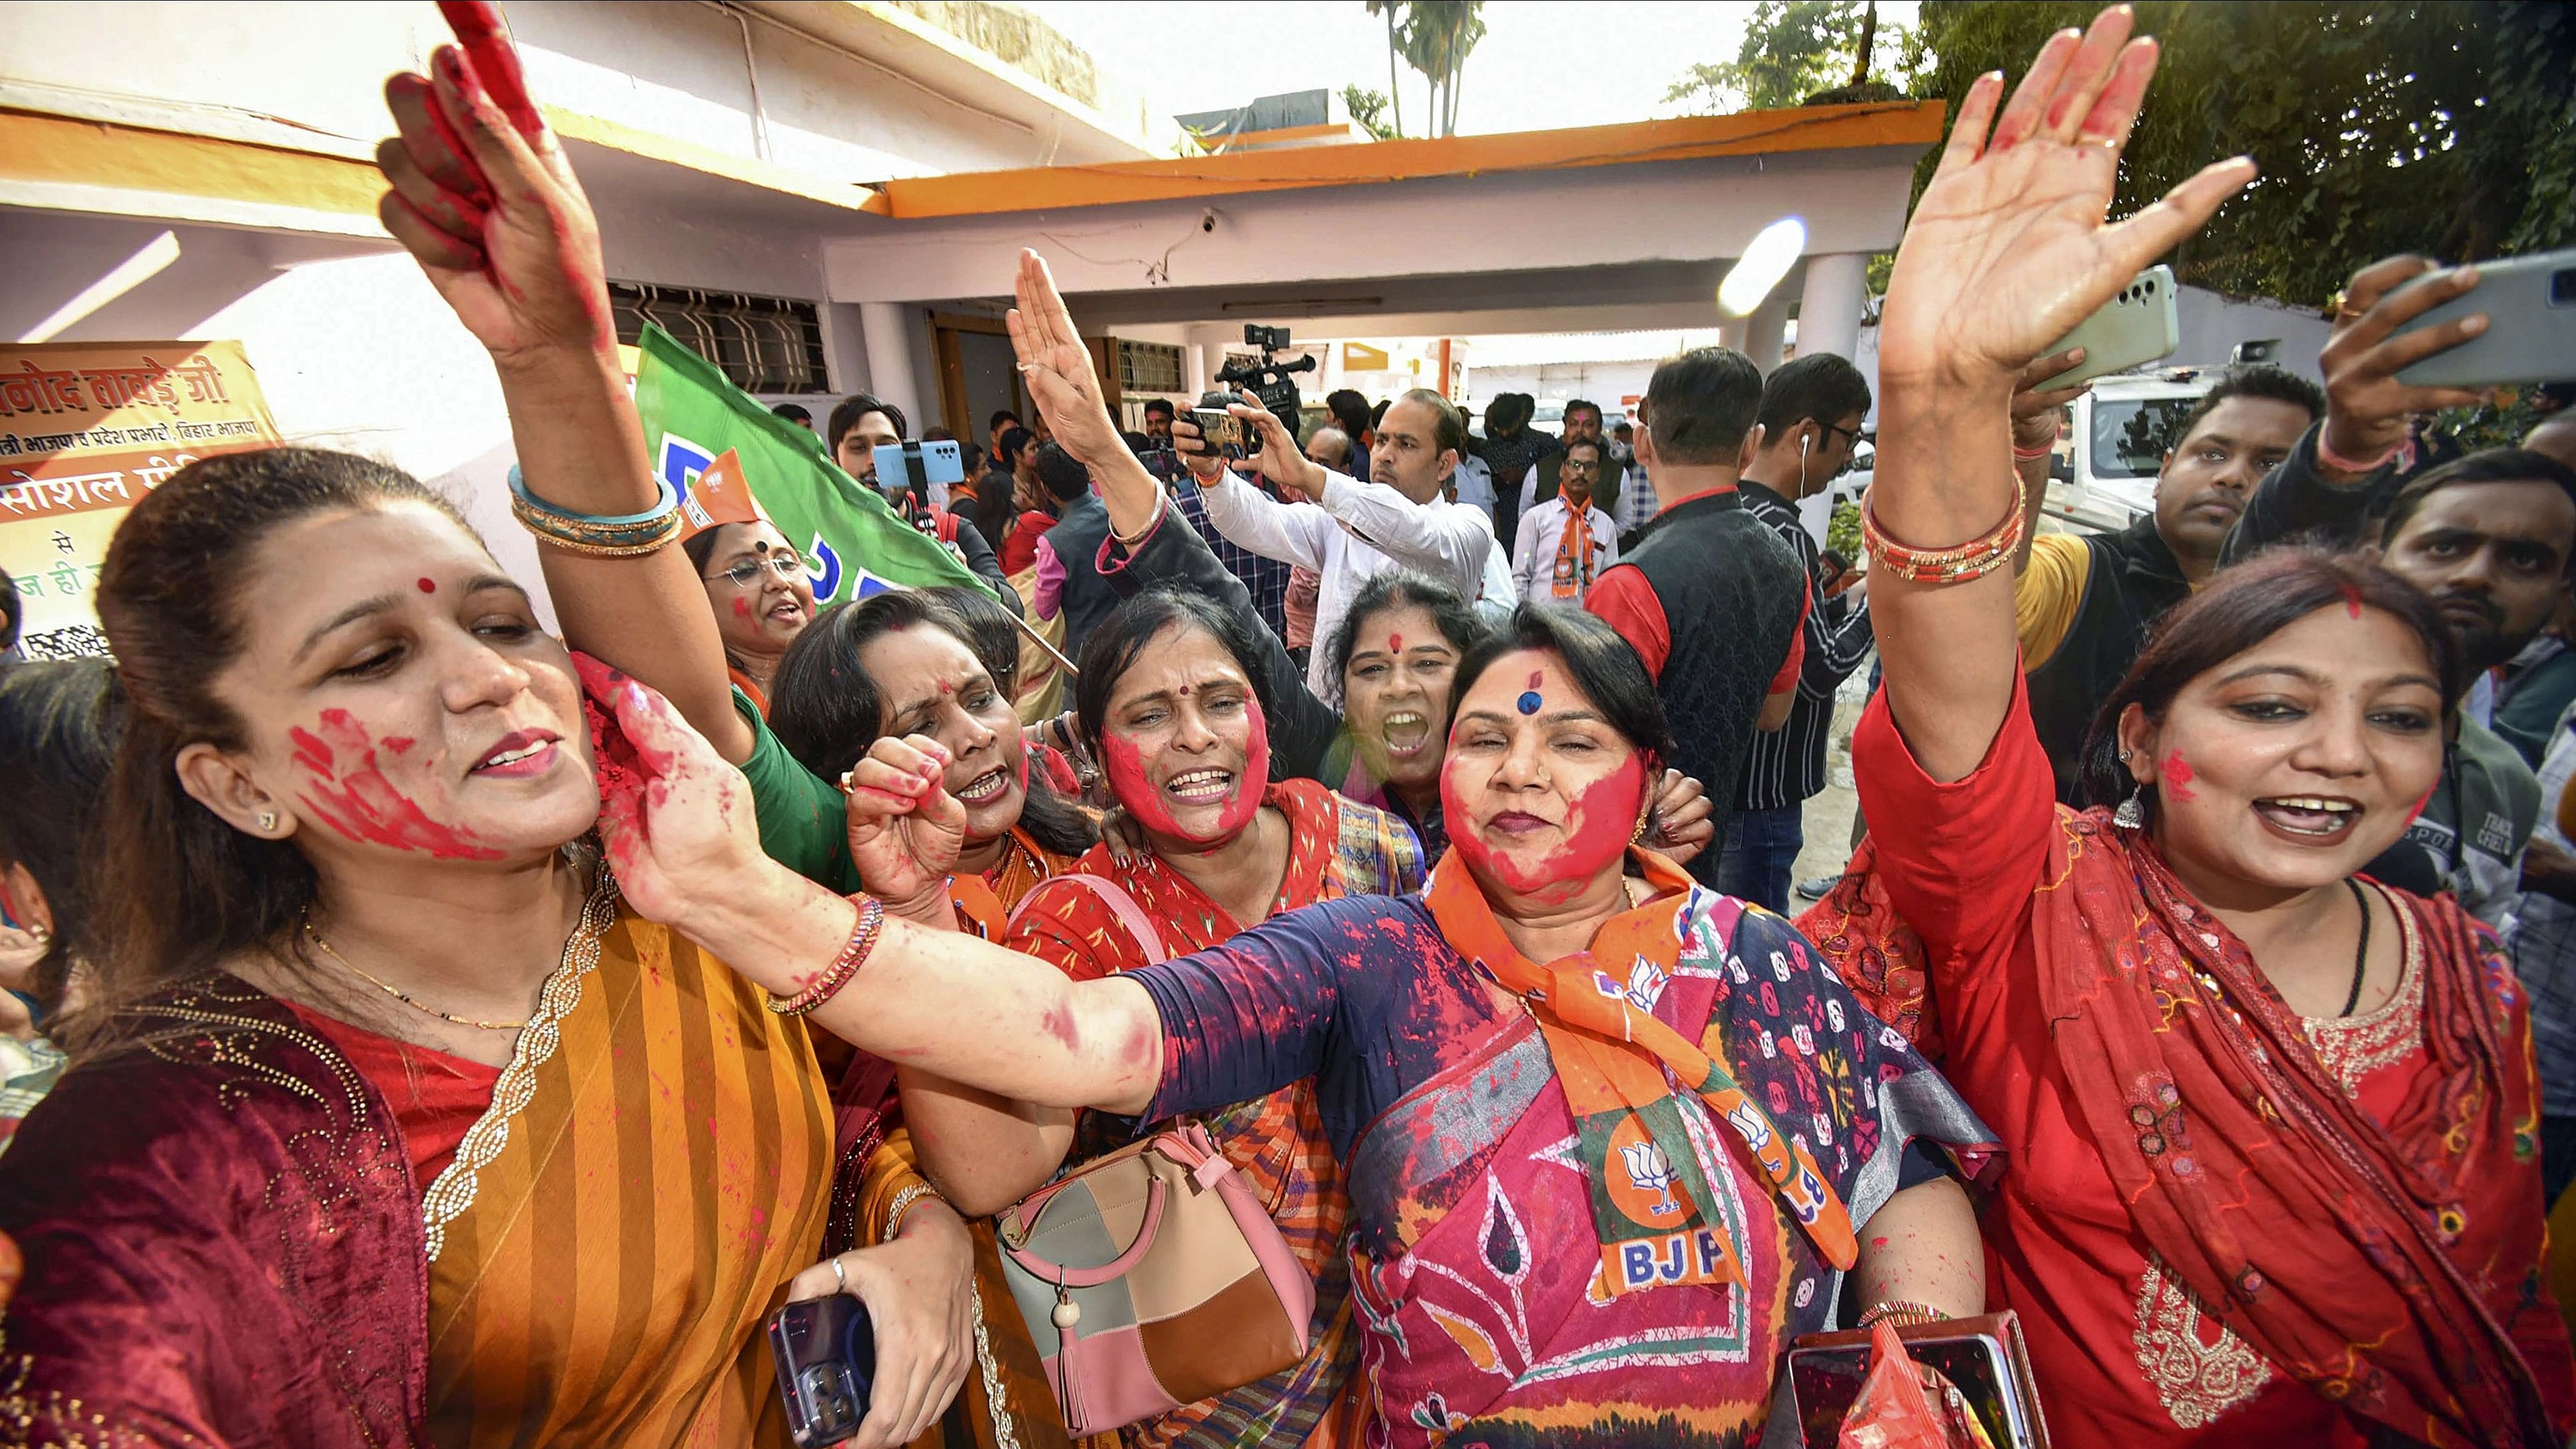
{"x":1539,"y":67}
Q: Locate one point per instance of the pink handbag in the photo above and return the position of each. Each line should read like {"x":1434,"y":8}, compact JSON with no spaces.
{"x":1152,"y":1277}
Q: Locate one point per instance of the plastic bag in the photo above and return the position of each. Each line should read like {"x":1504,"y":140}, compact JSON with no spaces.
{"x":1904,"y":1405}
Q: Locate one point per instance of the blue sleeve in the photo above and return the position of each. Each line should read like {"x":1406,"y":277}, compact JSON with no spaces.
{"x":1247,"y":1018}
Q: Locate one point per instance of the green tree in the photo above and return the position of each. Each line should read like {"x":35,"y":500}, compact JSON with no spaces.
{"x":1368,"y":108}
{"x":1800,"y":52}
{"x":1434,"y":37}
{"x":2447,"y":129}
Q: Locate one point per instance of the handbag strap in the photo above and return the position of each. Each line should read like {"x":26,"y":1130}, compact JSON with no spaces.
{"x":1130,"y":916}
{"x":1156,"y":1193}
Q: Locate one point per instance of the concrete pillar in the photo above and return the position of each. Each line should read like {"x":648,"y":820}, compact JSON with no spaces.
{"x":1764,"y":330}
{"x":890,"y":374}
{"x":1210,"y":357}
{"x":1194,"y":369}
{"x":1830,"y":306}
{"x":1730,"y":333}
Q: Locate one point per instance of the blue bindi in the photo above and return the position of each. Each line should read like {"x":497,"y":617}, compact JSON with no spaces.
{"x":1530,"y":702}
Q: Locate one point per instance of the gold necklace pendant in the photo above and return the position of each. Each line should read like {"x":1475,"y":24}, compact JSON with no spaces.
{"x":397,"y":992}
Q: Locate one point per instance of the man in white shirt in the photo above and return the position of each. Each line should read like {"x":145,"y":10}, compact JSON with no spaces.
{"x":1358,"y":529}
{"x":1555,"y":560}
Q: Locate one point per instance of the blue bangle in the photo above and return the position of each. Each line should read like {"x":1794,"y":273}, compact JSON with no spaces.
{"x":669,"y":500}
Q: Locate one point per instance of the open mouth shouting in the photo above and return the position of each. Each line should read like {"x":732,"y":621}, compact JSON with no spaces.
{"x":2310,"y":819}
{"x":984,"y":787}
{"x":1407,"y":733}
{"x":518,"y":755}
{"x":1200,"y":787}
{"x":786,"y":612}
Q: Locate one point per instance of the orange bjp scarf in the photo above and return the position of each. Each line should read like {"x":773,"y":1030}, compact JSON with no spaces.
{"x":1573,"y":554}
{"x":1649,"y":1197}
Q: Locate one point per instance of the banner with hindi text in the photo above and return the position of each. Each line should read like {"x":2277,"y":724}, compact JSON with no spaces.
{"x":87,"y":429}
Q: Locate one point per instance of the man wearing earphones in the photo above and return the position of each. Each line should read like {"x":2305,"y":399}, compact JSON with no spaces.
{"x":1811,"y":415}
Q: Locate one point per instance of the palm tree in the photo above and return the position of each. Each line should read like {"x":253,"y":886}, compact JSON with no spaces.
{"x":1434,"y":37}
{"x":1394,"y":92}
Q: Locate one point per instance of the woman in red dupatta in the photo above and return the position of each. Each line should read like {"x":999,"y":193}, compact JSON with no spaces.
{"x":1173,"y":699}
{"x":2273,"y":1127}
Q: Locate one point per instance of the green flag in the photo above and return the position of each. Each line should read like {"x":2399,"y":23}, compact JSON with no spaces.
{"x":856,"y":545}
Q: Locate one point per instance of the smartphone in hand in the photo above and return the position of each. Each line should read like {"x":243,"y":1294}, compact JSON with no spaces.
{"x":826,"y":1354}
{"x":2137,"y":326}
{"x":2530,"y":304}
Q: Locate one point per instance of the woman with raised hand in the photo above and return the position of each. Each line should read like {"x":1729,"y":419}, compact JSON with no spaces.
{"x":2275,"y":1176}
{"x":1173,"y":700}
{"x":1743,"y":1127}
{"x":1383,"y":676}
{"x":506,"y":236}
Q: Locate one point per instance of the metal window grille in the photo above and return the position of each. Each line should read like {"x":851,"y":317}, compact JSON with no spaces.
{"x":1148,"y":367}
{"x":764,"y":344}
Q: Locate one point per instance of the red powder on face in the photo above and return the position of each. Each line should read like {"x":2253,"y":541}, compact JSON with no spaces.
{"x":357,"y":800}
{"x":2352,"y":600}
{"x":1125,"y":766}
{"x":741,"y":607}
{"x":2177,"y":779}
{"x":1394,"y":643}
{"x":1596,"y":836}
{"x":1537,"y":678}
{"x":425,"y":586}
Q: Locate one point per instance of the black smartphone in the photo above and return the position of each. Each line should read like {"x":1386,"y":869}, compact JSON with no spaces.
{"x":826,"y":1352}
{"x":1223,"y":430}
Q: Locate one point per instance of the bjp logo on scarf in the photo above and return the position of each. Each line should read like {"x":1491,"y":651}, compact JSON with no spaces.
{"x":1642,"y":1182}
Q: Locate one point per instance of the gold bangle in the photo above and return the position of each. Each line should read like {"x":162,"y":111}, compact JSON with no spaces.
{"x":597,"y":542}
{"x":1906,"y":1312}
{"x":1955,"y":565}
{"x":903,"y":1202}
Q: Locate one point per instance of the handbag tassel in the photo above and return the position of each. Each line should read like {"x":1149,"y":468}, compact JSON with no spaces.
{"x":1068,"y":1390}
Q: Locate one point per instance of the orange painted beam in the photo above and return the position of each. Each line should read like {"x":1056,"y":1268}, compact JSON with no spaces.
{"x":1814,"y":128}
{"x":42,"y":148}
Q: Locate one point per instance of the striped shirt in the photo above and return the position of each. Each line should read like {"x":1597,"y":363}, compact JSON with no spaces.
{"x":1266,"y":578}
{"x":1787,"y":765}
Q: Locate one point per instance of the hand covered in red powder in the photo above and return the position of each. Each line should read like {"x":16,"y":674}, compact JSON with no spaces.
{"x":674,"y":817}
{"x":483,"y":198}
{"x":906,"y":830}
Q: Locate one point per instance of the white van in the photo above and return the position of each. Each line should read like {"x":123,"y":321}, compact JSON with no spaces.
{"x":2110,"y":444}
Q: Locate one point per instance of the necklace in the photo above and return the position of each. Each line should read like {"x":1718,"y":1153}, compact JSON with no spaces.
{"x":2361,"y":953}
{"x":397,"y":992}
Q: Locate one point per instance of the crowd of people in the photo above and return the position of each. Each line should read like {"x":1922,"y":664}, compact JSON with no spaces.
{"x":428,"y":1029}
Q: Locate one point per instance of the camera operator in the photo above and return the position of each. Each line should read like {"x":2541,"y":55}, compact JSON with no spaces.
{"x":1356,"y":529}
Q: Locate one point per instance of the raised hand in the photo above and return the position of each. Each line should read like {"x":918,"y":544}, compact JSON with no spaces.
{"x":1203,"y":461}
{"x":1057,"y":368}
{"x":2008,"y":248}
{"x":2035,"y":409}
{"x":484,"y":200}
{"x":906,"y":830}
{"x":2366,"y":406}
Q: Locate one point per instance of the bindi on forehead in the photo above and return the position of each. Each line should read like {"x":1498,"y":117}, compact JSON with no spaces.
{"x":1531,"y":701}
{"x":425,"y":585}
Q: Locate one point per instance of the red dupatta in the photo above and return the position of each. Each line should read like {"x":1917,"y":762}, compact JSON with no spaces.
{"x":2337,"y":1247}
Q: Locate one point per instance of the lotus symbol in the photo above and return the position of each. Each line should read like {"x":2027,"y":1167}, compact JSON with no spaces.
{"x":1652,"y":1172}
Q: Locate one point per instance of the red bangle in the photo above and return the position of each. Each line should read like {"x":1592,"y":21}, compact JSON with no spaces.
{"x":2025,"y":455}
{"x":1971,"y":560}
{"x":854,"y":954}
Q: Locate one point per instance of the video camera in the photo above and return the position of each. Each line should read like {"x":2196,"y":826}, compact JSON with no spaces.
{"x":1267,"y":378}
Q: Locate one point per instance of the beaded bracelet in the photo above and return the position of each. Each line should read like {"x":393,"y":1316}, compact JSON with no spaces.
{"x":903,"y":1202}
{"x":1971,"y":560}
{"x":1905,"y":1312}
{"x":603,"y":536}
{"x":854,"y":954}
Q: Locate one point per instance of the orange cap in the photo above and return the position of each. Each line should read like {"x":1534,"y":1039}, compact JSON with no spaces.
{"x":719,"y":496}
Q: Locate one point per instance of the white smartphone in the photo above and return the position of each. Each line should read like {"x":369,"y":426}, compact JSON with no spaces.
{"x":2530,"y":304}
{"x":2137,"y":326}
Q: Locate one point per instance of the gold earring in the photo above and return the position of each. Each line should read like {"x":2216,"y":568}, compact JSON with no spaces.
{"x":267,"y":820}
{"x":1645,"y":812}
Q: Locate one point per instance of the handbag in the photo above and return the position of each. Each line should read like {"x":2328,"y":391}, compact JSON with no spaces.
{"x":1152,"y":1277}
{"x":1981,"y":1362}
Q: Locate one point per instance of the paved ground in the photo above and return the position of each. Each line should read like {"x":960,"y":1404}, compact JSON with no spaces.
{"x":1829,"y":815}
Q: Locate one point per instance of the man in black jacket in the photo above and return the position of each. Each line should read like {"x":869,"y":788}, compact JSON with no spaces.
{"x":2084,"y":601}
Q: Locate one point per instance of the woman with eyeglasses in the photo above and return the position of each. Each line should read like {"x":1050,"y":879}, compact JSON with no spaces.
{"x":757,"y":585}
